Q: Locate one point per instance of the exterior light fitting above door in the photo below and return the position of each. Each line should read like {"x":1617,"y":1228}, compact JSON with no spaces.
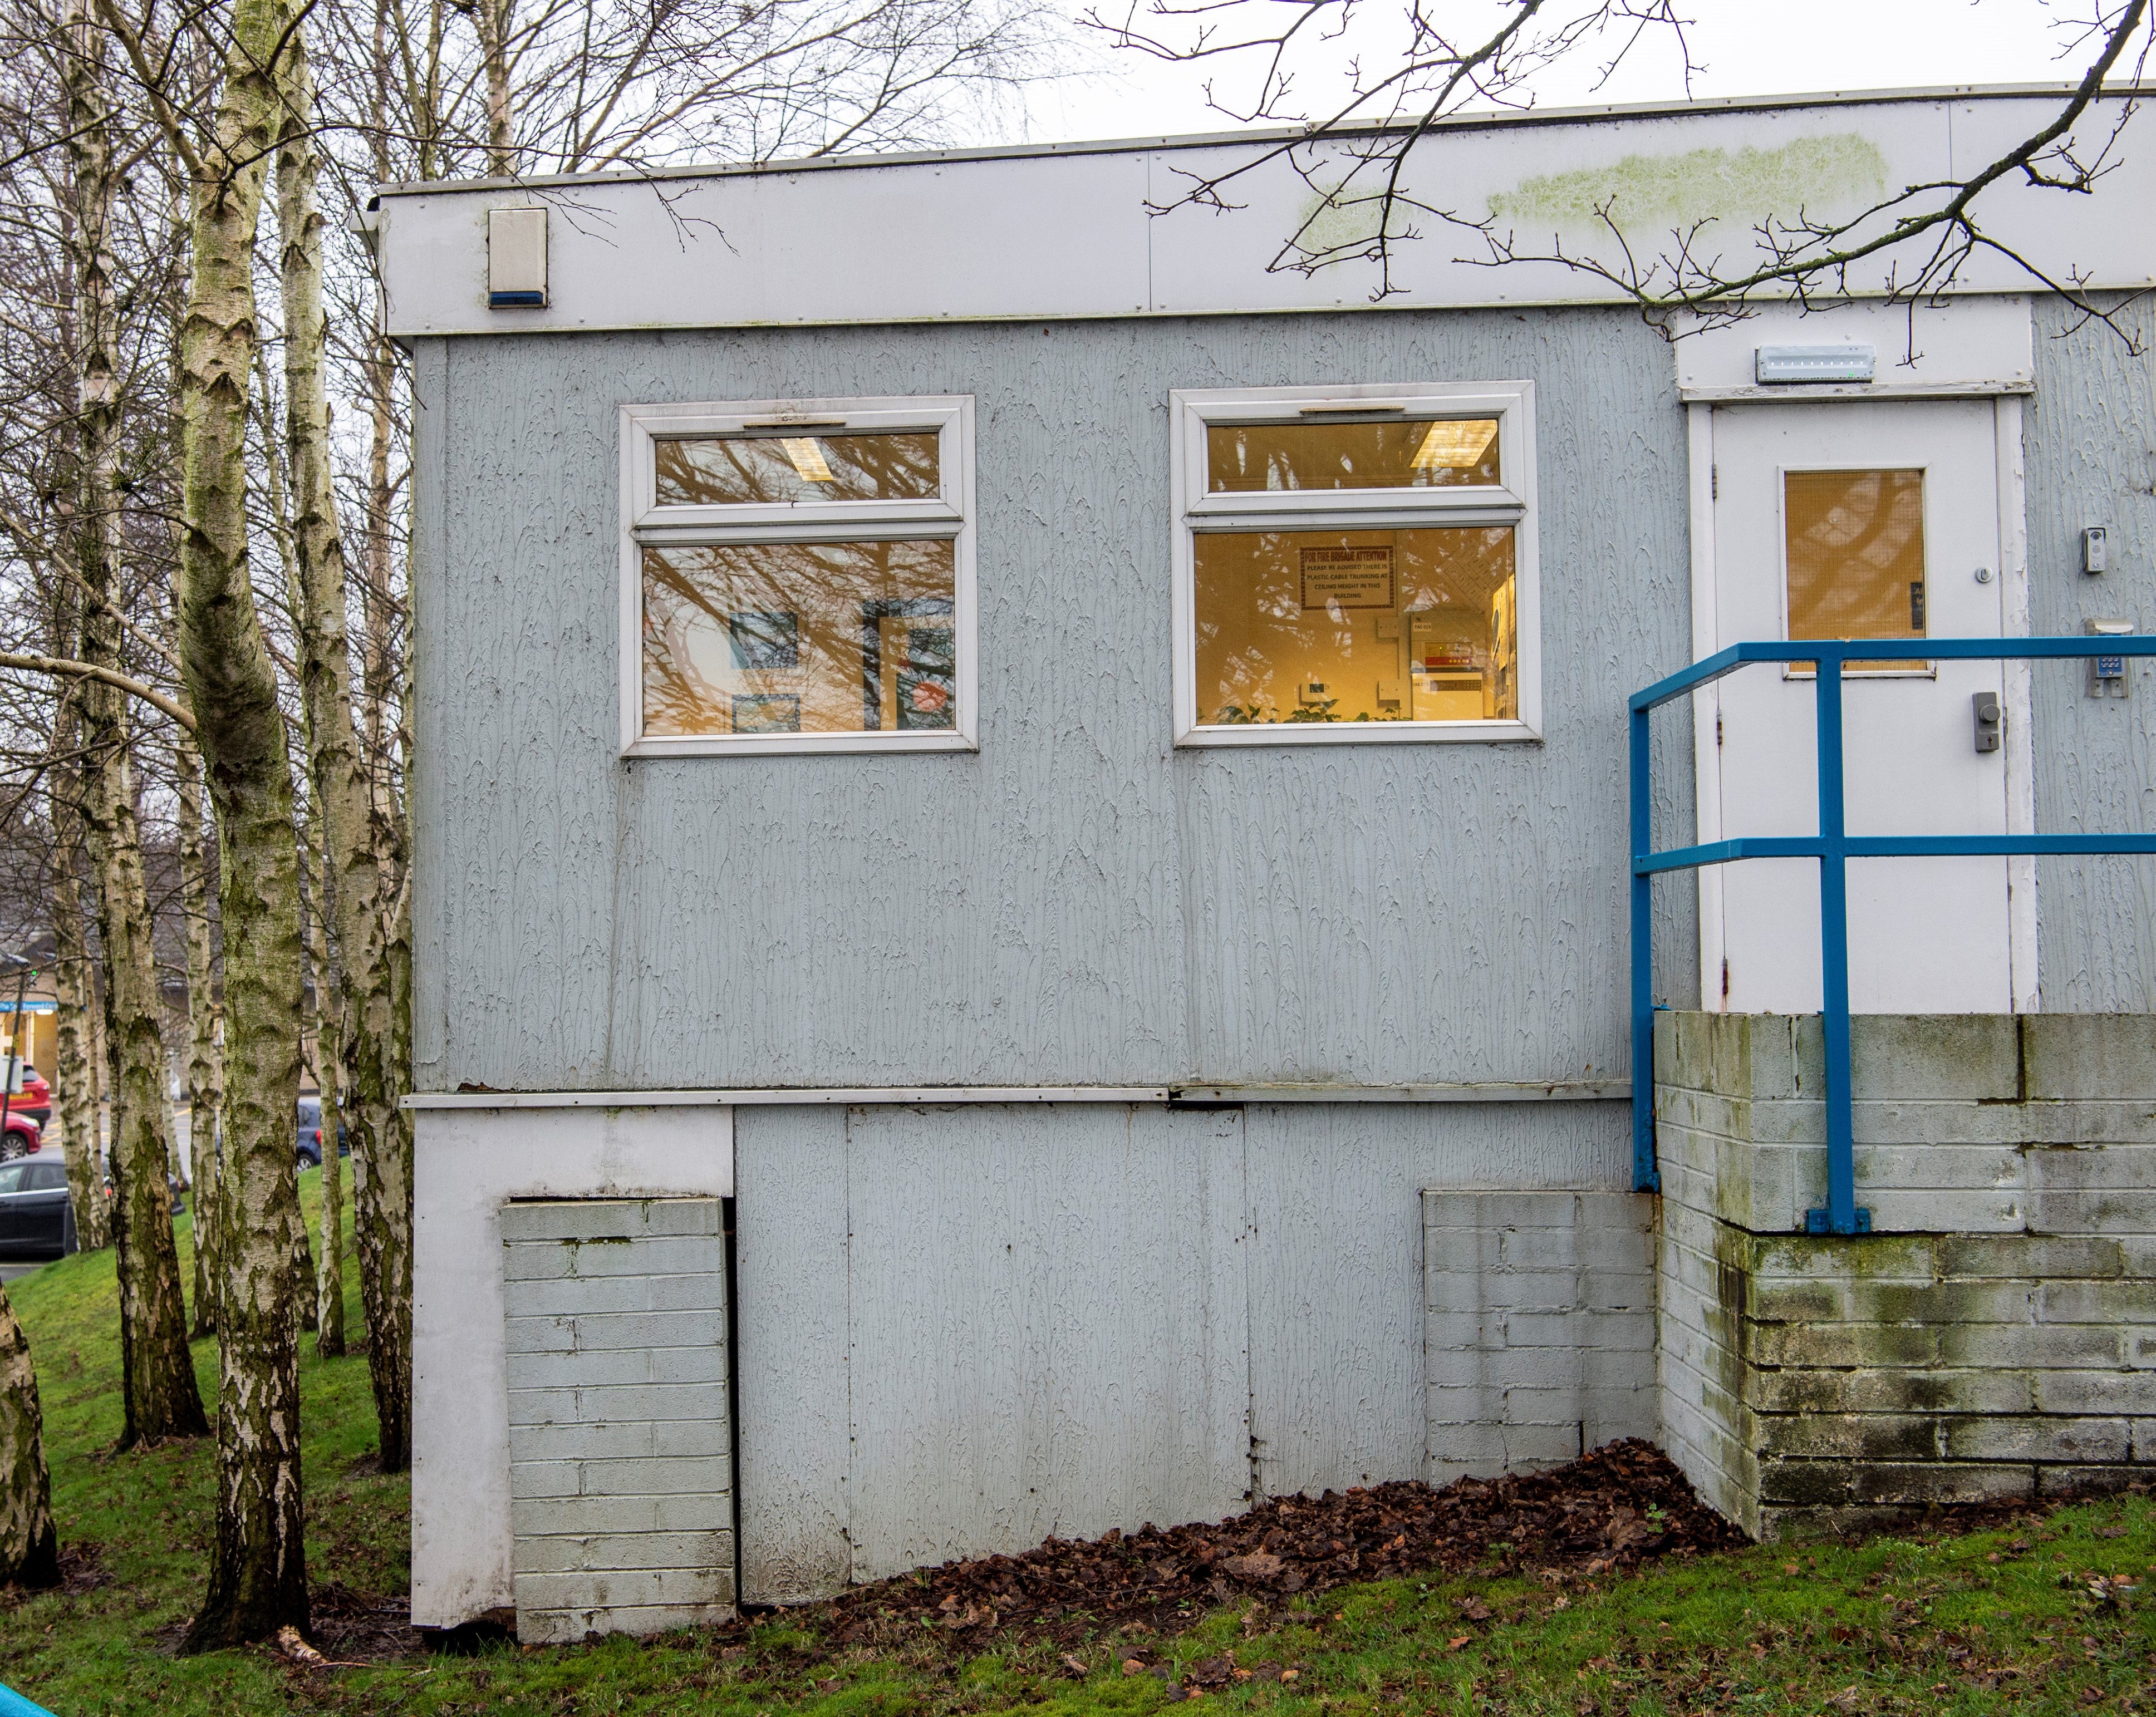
{"x":1814,"y":363}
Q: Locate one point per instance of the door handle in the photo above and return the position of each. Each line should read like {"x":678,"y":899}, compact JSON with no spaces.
{"x":1984,"y":707}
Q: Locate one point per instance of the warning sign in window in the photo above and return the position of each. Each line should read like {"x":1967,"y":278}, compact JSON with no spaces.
{"x":1347,"y":577}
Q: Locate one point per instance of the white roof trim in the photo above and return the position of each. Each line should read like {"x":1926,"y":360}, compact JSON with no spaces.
{"x":1472,"y":119}
{"x":1066,"y":231}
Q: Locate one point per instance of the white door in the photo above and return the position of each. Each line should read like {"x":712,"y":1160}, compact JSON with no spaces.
{"x":1856,"y":520}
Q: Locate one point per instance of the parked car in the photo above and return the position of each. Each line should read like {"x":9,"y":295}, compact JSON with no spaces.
{"x":310,"y":1133}
{"x":35,"y":1098}
{"x":35,"y":1217}
{"x":24,"y":1138}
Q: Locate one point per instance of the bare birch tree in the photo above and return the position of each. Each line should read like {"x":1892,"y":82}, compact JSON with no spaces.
{"x":29,"y":1543}
{"x":328,"y":1008}
{"x":159,"y":1396}
{"x":355,"y":870}
{"x":258,"y":1579}
{"x":205,"y":1074}
{"x":74,"y":1093}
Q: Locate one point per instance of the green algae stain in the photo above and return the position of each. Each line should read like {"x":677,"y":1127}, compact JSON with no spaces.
{"x":1341,"y":221}
{"x":1813,"y":177}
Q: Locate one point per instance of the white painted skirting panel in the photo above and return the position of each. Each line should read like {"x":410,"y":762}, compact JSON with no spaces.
{"x":469,"y":1164}
{"x":852,"y":1096}
{"x":961,"y":1329}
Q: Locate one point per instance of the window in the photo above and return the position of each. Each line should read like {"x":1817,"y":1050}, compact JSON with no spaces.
{"x":797,"y":576}
{"x":1356,"y":565}
{"x":1853,"y":558}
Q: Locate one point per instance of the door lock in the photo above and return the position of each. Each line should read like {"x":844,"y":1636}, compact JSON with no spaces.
{"x":1984,"y":706}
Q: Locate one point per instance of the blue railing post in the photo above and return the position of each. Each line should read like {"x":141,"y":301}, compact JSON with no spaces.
{"x":1646,"y":1176}
{"x":1840,"y":1217}
{"x":1833,"y":846}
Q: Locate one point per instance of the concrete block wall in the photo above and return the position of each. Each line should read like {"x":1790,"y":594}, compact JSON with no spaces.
{"x":1994,"y":1335}
{"x":621,"y":1466}
{"x":1539,"y":1331}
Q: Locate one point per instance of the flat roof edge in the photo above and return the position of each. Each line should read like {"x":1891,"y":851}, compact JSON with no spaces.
{"x":1465,"y":122}
{"x":1392,"y":306}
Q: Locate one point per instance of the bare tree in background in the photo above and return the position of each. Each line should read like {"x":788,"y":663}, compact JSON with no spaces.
{"x":161,"y":1398}
{"x":570,"y":86}
{"x":1367,"y":156}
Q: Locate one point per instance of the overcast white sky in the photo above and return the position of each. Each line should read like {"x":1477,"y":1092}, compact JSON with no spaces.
{"x":1749,"y":47}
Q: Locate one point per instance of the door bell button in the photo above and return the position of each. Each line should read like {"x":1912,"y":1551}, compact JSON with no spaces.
{"x":2096,"y":549}
{"x":1984,"y":706}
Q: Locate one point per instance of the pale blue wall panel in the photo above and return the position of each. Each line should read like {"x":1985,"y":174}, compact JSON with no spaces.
{"x":1077,"y":903}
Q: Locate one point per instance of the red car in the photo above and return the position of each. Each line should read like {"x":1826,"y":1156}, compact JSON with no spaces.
{"x":24,"y":1135}
{"x":35,"y":1099}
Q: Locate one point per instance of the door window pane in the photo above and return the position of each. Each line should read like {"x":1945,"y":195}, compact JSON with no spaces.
{"x":1332,"y":626}
{"x":1854,"y":554}
{"x":800,"y":638}
{"x":726,"y":471}
{"x":1394,"y":454}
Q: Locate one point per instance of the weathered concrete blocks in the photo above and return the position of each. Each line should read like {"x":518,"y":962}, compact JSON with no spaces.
{"x":1995,"y":1333}
{"x":1539,"y":1328}
{"x":621,"y":1459}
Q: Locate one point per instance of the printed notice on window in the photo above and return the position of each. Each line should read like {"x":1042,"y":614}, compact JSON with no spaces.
{"x":1349,"y":577}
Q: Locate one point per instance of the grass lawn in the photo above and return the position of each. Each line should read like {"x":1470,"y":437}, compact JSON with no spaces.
{"x":2036,"y":1617}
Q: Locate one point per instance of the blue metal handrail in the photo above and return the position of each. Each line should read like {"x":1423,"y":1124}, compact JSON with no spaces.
{"x":1833,"y":846}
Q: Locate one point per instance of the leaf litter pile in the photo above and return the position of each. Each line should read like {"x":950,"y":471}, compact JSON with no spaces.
{"x":1614,"y":1508}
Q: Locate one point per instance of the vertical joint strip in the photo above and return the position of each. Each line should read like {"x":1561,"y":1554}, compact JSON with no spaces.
{"x":1646,"y":1174}
{"x":1840,"y":1216}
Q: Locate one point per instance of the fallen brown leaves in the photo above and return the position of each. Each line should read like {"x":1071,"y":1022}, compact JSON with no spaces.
{"x":1618,"y":1506}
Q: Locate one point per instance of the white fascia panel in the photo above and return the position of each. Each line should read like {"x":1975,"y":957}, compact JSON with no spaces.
{"x":1055,"y":235}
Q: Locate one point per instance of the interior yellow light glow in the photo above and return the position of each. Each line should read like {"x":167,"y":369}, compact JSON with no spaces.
{"x":1456,"y":444}
{"x":808,"y":457}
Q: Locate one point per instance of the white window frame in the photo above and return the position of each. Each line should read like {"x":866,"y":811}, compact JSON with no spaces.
{"x":947,"y":516}
{"x":1513,"y":502}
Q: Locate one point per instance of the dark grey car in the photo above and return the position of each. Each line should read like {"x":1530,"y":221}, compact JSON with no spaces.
{"x":34,"y":1218}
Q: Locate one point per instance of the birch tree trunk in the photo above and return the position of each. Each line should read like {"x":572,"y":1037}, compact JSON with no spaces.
{"x":205,"y":1077}
{"x":29,"y":1547}
{"x":353,"y":859}
{"x":157,"y":1373}
{"x":258,"y":1579}
{"x":329,"y":1269}
{"x":492,"y":18}
{"x":74,"y":1094}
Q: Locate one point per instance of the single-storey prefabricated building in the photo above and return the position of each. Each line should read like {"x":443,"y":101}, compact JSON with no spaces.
{"x":1023,"y":874}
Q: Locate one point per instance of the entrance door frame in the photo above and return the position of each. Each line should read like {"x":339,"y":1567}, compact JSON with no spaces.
{"x":2006,"y":399}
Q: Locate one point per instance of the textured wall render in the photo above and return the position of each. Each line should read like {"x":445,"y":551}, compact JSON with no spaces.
{"x":963,"y":1329}
{"x":2090,"y":437}
{"x":1994,"y":1336}
{"x":620,"y":1440}
{"x":1540,"y":1342}
{"x":1077,"y":903}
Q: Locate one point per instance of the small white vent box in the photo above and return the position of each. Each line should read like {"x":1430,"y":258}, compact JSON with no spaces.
{"x":516,"y":259}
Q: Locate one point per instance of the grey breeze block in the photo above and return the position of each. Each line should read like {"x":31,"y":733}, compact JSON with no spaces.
{"x":1539,"y":1327}
{"x":620,"y":1462}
